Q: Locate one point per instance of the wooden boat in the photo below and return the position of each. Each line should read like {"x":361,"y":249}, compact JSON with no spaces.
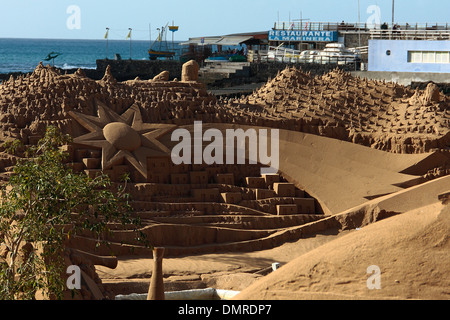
{"x":153,"y":55}
{"x":160,"y":53}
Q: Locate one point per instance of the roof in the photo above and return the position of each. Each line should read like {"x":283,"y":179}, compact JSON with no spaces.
{"x":224,"y":40}
{"x":227,"y":40}
{"x":202,"y":41}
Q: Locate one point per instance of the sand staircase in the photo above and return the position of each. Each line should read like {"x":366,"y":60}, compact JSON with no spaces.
{"x":214,"y":71}
{"x":204,"y":215}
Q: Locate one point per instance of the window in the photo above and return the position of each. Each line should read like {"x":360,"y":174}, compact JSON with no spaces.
{"x":415,"y":57}
{"x":429,"y":57}
{"x":442,"y":57}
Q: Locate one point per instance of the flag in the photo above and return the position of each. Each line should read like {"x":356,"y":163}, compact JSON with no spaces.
{"x":106,"y":34}
{"x":129,"y":35}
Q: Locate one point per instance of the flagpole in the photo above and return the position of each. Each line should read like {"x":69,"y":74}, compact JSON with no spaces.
{"x":130,"y":40}
{"x":107,"y":40}
{"x":393,"y":13}
{"x":359,"y":22}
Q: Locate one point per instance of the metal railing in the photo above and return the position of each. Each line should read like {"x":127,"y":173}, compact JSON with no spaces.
{"x":318,"y":26}
{"x":319,"y":59}
{"x":342,"y":26}
{"x":286,"y":55}
{"x":400,"y":34}
{"x":362,"y":50}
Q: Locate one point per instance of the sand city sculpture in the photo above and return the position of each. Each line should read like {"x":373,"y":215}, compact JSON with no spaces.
{"x":344,"y":142}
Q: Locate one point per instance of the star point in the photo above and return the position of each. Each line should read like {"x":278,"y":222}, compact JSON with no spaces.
{"x":113,"y":154}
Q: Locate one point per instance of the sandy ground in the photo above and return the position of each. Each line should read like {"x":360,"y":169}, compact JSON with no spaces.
{"x":410,"y":251}
{"x":229,"y":271}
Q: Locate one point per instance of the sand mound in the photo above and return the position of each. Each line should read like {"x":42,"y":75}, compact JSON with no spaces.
{"x":381,"y":115}
{"x":411,"y":251}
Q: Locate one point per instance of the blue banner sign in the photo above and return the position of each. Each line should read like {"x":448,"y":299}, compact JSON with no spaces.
{"x":307,"y":36}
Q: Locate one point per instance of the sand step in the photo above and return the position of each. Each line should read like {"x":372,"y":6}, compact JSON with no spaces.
{"x":241,"y":221}
{"x":206,"y":207}
{"x":92,"y":163}
{"x":214,"y":71}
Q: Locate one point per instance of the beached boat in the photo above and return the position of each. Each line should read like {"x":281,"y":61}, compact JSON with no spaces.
{"x":282,"y":54}
{"x":227,"y":58}
{"x":217,"y":58}
{"x":238,"y":58}
{"x":335,"y":53}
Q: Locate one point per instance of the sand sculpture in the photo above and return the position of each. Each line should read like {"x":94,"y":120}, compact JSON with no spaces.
{"x":344,"y":142}
{"x":384,"y":116}
{"x":414,"y":242}
{"x":190,"y":71}
{"x":163,"y":76}
{"x":92,"y":287}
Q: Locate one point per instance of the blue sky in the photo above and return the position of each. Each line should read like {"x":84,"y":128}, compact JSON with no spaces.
{"x":48,"y":18}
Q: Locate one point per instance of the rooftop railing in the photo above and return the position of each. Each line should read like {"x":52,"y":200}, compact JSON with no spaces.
{"x":343,"y":26}
{"x":410,"y":34}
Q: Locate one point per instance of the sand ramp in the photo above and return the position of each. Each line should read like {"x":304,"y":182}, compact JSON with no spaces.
{"x":409,"y":250}
{"x":339,"y":174}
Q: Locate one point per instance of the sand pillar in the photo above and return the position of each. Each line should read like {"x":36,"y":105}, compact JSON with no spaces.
{"x":189,"y":71}
{"x":156,"y":289}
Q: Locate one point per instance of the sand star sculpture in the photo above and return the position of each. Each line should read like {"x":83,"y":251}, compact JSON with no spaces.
{"x":123,"y":137}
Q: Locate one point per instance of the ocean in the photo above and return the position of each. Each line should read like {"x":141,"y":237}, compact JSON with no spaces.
{"x":23,"y":55}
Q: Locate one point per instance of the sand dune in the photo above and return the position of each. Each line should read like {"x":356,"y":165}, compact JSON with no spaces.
{"x":410,"y":249}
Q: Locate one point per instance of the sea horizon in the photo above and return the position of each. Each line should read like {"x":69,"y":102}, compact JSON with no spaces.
{"x":98,"y":39}
{"x":24,"y":54}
